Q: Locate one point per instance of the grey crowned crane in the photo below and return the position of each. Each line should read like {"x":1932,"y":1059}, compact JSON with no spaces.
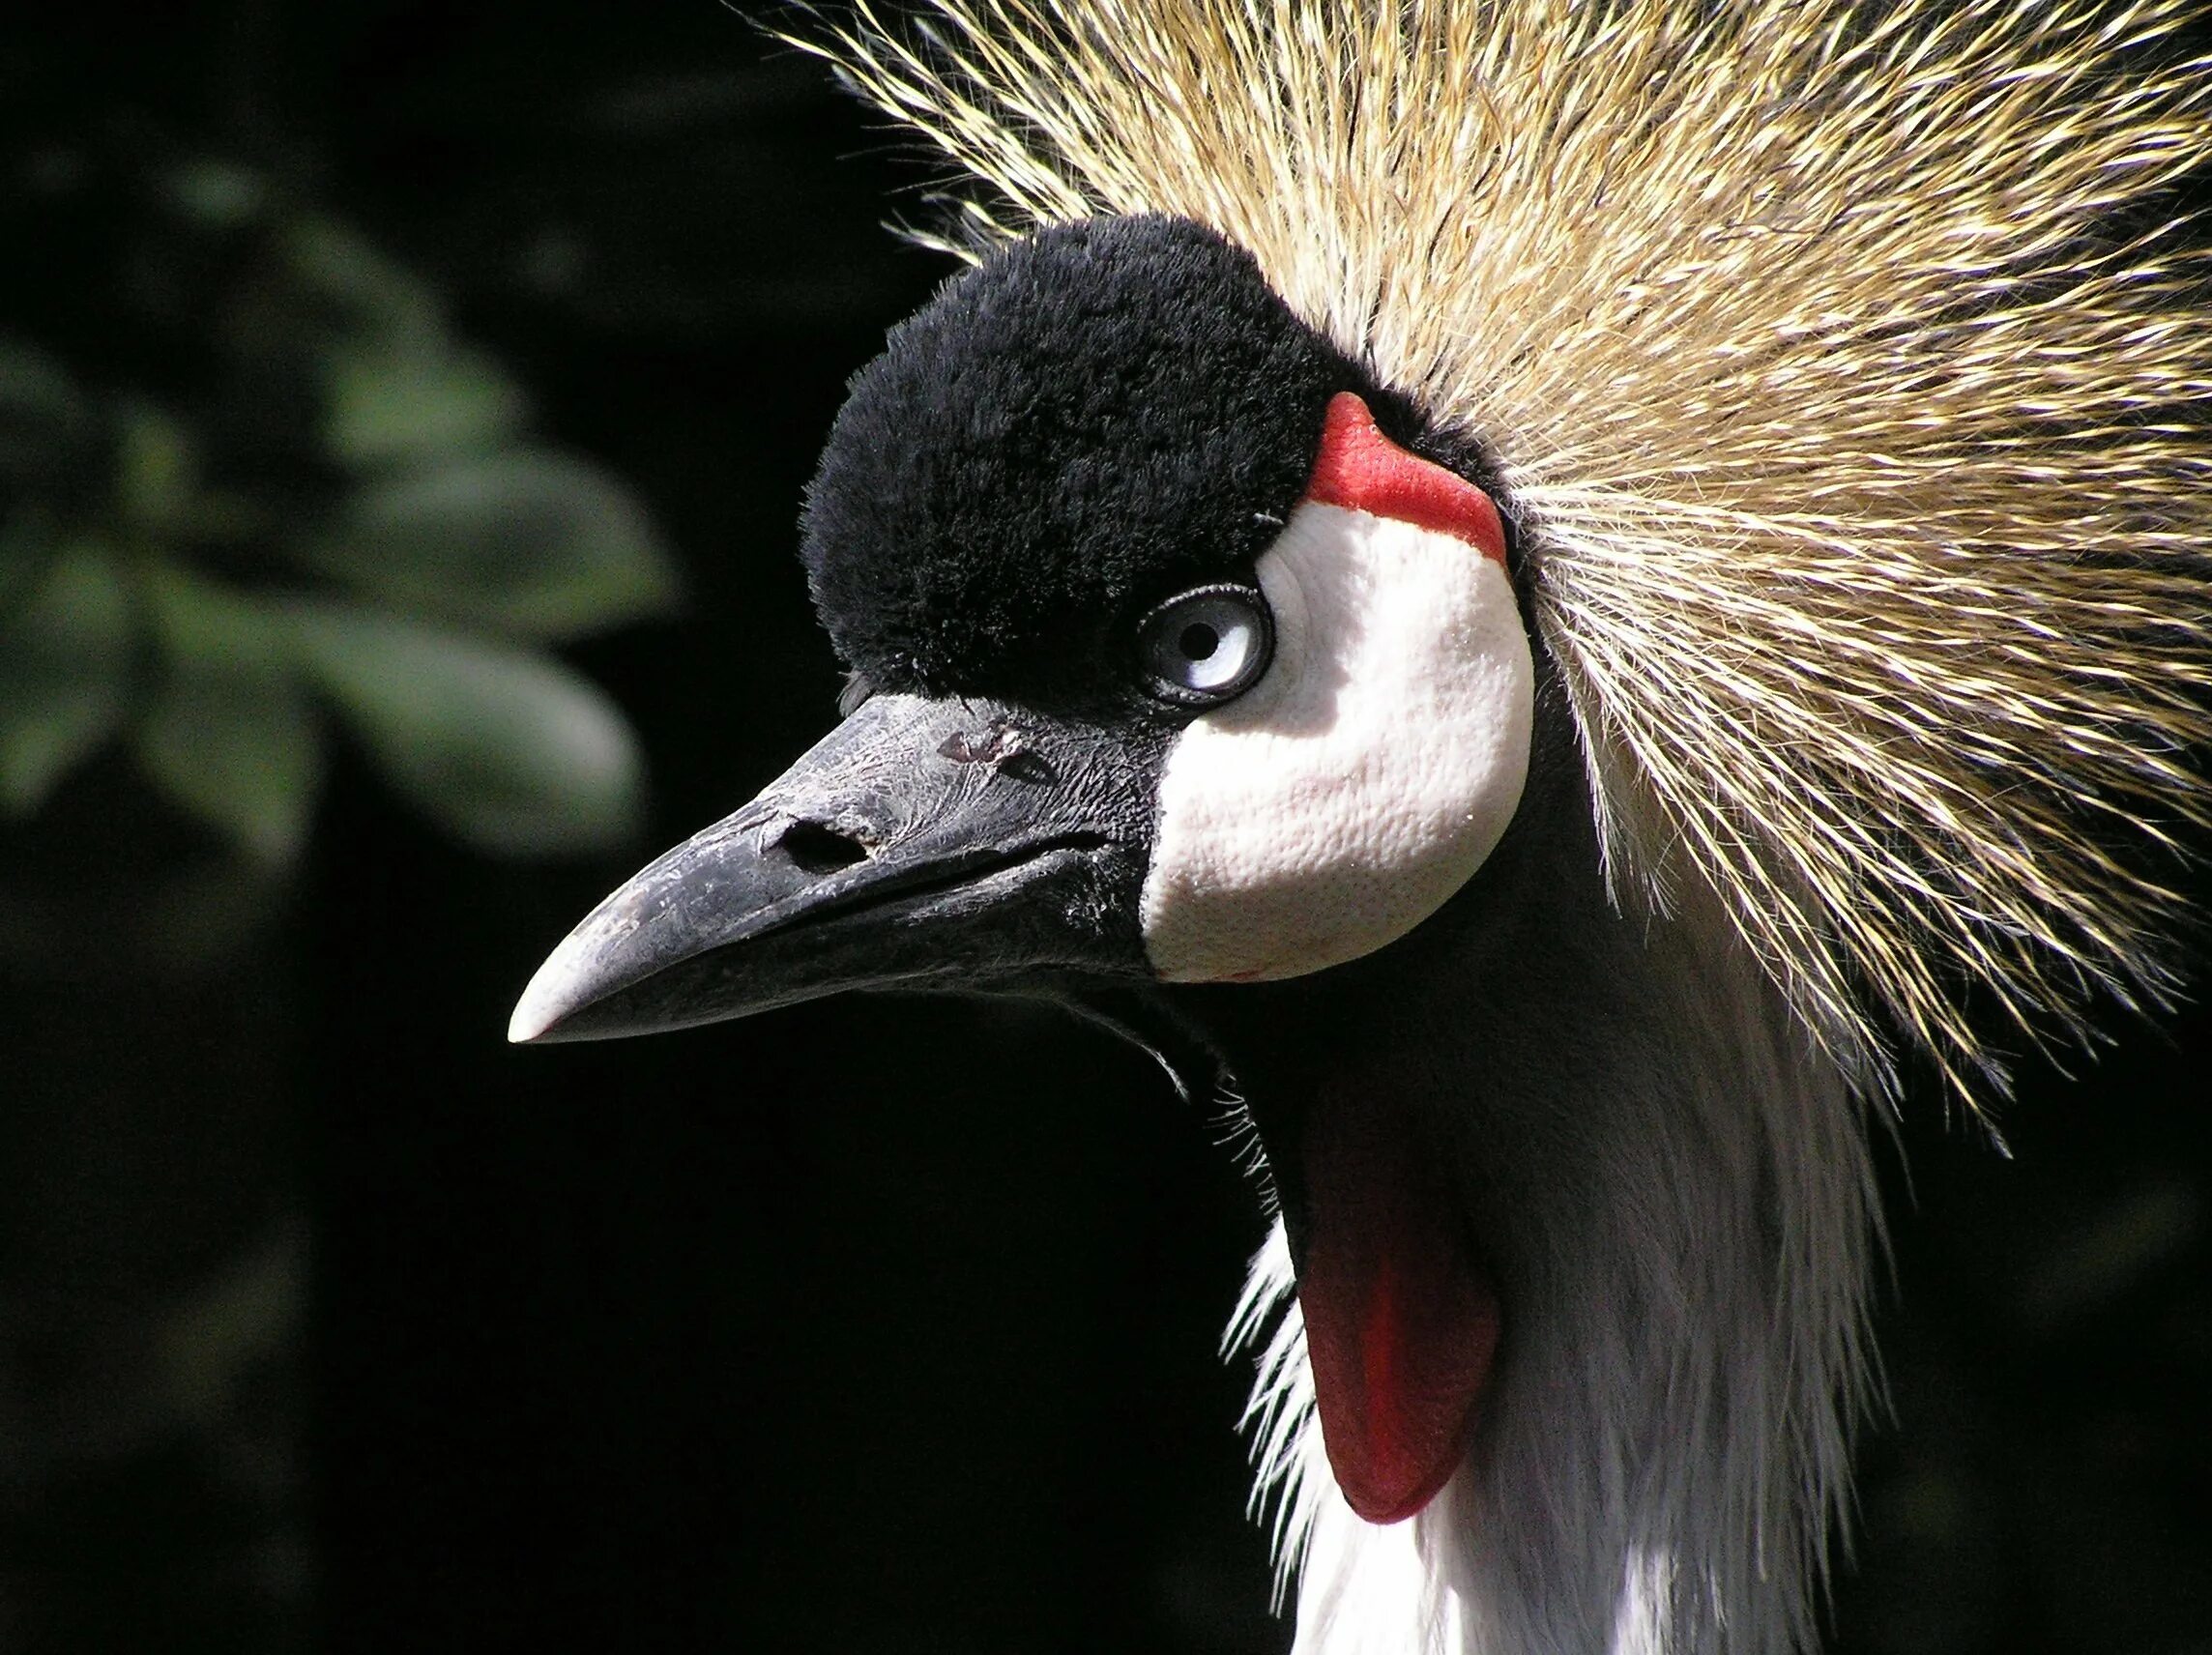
{"x":1546,"y":596}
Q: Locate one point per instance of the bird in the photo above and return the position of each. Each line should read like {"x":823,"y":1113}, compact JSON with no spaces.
{"x":1561,"y":603}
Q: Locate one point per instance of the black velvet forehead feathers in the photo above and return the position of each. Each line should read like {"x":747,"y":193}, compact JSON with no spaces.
{"x":1091,"y":420}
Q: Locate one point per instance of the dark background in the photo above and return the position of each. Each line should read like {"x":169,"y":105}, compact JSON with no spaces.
{"x":882,"y":1325}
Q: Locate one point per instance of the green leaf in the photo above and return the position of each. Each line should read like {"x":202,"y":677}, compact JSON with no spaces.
{"x":230,"y":734}
{"x":506,"y":749}
{"x":45,"y":417}
{"x":385,"y":406}
{"x":218,"y":193}
{"x":65,"y":654}
{"x":244,"y":757}
{"x":205,"y":624}
{"x":27,"y":549}
{"x":156,"y":473}
{"x":372,"y":297}
{"x":527,"y":542}
{"x":33,"y":381}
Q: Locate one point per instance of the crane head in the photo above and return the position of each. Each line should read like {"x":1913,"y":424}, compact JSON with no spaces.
{"x":1184,"y":653}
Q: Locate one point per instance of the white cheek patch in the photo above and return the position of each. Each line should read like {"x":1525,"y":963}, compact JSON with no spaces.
{"x":1343,"y":798}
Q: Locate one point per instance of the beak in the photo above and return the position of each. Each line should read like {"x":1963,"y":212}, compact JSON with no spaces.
{"x":922,"y":843}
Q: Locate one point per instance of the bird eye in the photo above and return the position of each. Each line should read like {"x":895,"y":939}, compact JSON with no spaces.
{"x":1208,"y":646}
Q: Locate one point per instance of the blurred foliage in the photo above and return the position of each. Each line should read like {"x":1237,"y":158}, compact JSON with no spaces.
{"x":279,"y":493}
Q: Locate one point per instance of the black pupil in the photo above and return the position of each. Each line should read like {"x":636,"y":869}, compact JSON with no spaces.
{"x":1199,"y":641}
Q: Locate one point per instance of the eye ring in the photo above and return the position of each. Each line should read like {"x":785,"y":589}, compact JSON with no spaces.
{"x":1206,"y":646}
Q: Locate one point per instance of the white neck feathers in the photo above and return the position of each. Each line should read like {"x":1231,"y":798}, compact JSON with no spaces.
{"x":1663,"y":1454}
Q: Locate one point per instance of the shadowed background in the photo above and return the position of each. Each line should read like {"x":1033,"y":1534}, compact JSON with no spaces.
{"x":404,"y":411}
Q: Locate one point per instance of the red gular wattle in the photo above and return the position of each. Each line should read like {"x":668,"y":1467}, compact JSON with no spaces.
{"x":1402,"y":1322}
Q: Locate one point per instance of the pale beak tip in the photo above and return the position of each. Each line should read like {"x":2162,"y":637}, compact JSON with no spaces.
{"x":543,"y":1003}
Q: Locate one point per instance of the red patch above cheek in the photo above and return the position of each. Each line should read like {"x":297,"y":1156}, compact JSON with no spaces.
{"x":1361,"y":470}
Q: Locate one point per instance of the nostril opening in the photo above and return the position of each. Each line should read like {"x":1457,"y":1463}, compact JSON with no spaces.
{"x":819,"y":849}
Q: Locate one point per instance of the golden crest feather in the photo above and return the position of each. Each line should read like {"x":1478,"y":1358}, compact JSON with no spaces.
{"x":1845,"y":363}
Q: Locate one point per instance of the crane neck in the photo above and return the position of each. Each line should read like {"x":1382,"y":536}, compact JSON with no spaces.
{"x":1669,"y":1186}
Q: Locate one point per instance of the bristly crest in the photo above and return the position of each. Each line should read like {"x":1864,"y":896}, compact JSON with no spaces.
{"x":1844,"y":361}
